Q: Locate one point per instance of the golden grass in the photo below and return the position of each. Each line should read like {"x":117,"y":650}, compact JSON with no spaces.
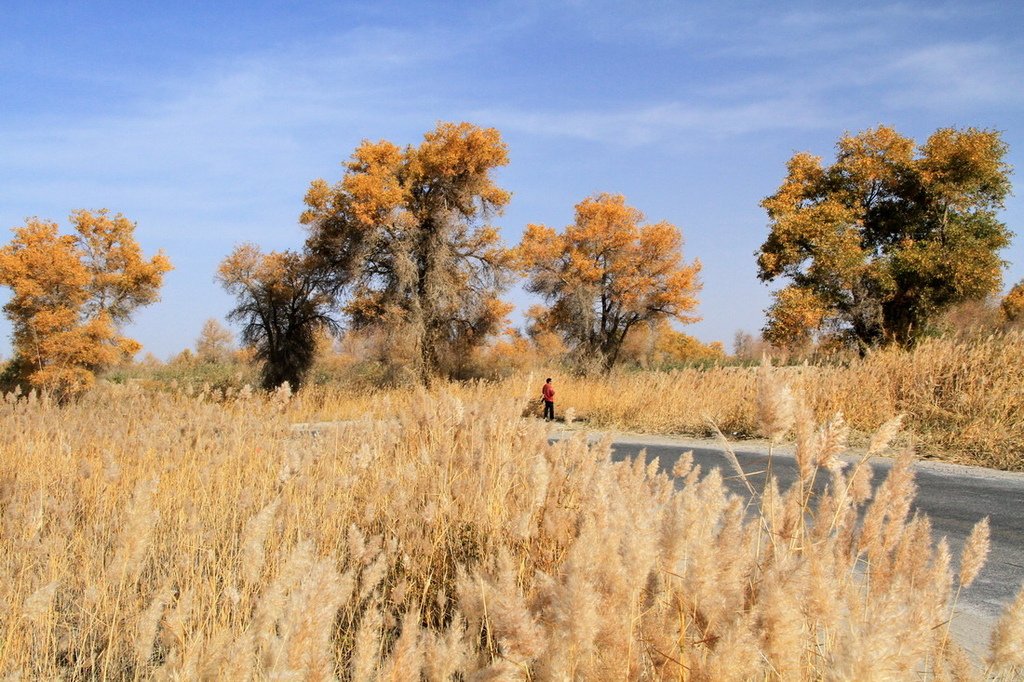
{"x":440,"y":537}
{"x":963,"y":400}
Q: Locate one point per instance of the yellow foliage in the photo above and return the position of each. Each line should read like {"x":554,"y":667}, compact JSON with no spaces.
{"x":656,"y":344}
{"x":214,"y":342}
{"x":606,"y":274}
{"x":675,"y":346}
{"x":511,"y":352}
{"x":886,"y":238}
{"x":794,"y":316}
{"x":70,"y":293}
{"x":405,"y":230}
{"x":1013,"y":304}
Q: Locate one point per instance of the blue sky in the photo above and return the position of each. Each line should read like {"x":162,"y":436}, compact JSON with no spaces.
{"x":205,"y":122}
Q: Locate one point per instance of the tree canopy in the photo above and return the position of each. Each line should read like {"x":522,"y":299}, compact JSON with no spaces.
{"x":1012,"y":304}
{"x":213,"y":344}
{"x":605,"y":274}
{"x":284,"y":300}
{"x":890,"y":234}
{"x":70,"y":294}
{"x":406,"y":233}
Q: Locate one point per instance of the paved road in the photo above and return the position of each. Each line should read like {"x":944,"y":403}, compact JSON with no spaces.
{"x":954,"y":497}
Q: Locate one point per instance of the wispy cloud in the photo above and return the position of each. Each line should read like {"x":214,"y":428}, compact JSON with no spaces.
{"x":954,"y":75}
{"x":789,"y":30}
{"x":226,"y":135}
{"x":212,"y":148}
{"x":657,"y":123}
{"x":801,"y":68}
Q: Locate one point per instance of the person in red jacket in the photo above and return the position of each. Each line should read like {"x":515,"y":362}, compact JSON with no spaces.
{"x":549,"y":399}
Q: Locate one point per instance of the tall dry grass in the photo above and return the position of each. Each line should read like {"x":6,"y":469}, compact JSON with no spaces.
{"x":963,"y":399}
{"x":442,"y":537}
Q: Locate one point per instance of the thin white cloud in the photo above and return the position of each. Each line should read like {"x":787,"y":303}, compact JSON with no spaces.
{"x":208,"y":140}
{"x":955,"y":75}
{"x":223,"y":153}
{"x":656,"y":123}
{"x":789,"y":30}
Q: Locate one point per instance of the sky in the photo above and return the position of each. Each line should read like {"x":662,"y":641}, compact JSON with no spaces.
{"x":205,"y":122}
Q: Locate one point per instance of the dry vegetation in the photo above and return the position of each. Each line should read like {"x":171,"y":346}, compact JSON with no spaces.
{"x":184,"y":535}
{"x":962,"y":399}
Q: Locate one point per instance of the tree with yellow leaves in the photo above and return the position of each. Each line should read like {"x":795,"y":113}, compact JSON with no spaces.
{"x":70,"y":295}
{"x":1012,"y":304}
{"x":793,"y":318}
{"x":405,"y":232}
{"x":214,"y":343}
{"x":605,"y":274}
{"x":657,"y":344}
{"x":877,"y":244}
{"x":284,"y":301}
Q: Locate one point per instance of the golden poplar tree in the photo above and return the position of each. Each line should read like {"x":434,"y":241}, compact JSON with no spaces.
{"x":605,"y":274}
{"x":214,"y":343}
{"x":284,"y":301}
{"x":1012,"y":304}
{"x":406,"y":232}
{"x":70,"y":295}
{"x":892,"y":233}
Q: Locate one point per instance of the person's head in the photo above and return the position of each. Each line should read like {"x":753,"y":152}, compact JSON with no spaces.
{"x":548,"y":381}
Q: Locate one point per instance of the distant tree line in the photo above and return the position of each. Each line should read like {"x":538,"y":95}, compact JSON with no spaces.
{"x":402,"y":245}
{"x":873,"y":249}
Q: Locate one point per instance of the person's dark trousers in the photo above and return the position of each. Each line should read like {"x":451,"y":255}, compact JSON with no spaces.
{"x":549,"y":409}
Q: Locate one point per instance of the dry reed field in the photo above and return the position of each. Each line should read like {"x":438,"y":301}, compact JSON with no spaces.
{"x":184,"y":535}
{"x":962,"y":400}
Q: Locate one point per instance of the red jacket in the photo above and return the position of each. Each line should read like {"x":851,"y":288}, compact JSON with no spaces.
{"x":549,"y":392}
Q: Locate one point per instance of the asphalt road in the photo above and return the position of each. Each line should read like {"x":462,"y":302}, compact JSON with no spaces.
{"x":954,"y":497}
